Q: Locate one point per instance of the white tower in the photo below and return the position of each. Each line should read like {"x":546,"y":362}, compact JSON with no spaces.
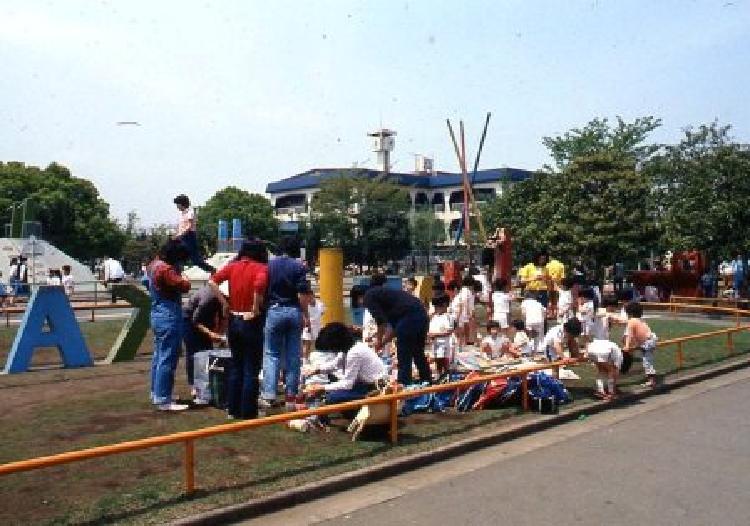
{"x":382,"y":143}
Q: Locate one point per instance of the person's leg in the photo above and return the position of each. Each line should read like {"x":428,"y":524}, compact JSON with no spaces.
{"x":339,"y":396}
{"x":253,"y":358}
{"x":293,"y":348}
{"x":192,"y":344}
{"x":190,"y":241}
{"x":420,"y":360}
{"x":234,"y":372}
{"x":165,"y":357}
{"x":648,"y":364}
{"x":272,"y":347}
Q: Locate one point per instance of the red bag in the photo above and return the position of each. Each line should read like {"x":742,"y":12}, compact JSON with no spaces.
{"x":491,"y":393}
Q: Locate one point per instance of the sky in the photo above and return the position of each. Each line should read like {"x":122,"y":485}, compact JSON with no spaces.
{"x":247,"y":92}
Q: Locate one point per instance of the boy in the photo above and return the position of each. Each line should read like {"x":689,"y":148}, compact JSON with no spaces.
{"x":637,"y":336}
{"x":441,"y":328}
{"x":501,"y":299}
{"x":607,"y":356}
{"x":559,"y":336}
{"x":186,"y":232}
{"x":315,"y":310}
{"x":68,"y":282}
{"x":494,"y":345}
{"x":534,"y":315}
{"x":565,"y":300}
{"x":521,"y":343}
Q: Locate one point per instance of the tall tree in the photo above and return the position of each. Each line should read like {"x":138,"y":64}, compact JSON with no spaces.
{"x":73,"y":216}
{"x":702,"y":186}
{"x":253,"y":210}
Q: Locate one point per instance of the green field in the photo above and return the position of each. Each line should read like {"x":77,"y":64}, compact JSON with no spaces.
{"x":58,"y":410}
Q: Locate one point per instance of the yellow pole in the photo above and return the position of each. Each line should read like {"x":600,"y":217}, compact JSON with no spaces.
{"x":332,"y":284}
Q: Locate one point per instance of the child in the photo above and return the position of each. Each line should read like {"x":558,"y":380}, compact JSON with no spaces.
{"x":410,"y":286}
{"x":68,"y":282}
{"x":501,"y":299}
{"x":586,"y":310}
{"x":607,"y":356}
{"x":54,"y":277}
{"x":186,"y":232}
{"x":441,"y":329}
{"x":638,"y":335}
{"x":559,"y":336}
{"x":534,"y":315}
{"x":521,"y":344}
{"x":565,"y":300}
{"x":464,"y":311}
{"x":315,"y":310}
{"x":494,"y":345}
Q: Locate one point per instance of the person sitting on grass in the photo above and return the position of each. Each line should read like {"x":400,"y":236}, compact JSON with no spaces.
{"x":607,"y":356}
{"x":638,"y":336}
{"x":494,"y":345}
{"x":521,"y":344}
{"x":560,"y":336}
{"x":362,"y":367}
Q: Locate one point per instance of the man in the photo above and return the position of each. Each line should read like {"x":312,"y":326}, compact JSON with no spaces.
{"x":398,"y":313}
{"x":534,"y":278}
{"x":285,"y":319}
{"x":112,"y":273}
{"x":186,"y":232}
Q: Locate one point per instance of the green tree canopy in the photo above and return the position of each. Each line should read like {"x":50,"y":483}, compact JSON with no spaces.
{"x":72,"y":214}
{"x":254,"y":210}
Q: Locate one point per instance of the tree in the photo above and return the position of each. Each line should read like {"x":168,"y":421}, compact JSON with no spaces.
{"x":73,"y":216}
{"x":702,"y":188}
{"x":368,"y":218}
{"x":253,"y":210}
{"x":426,"y":230}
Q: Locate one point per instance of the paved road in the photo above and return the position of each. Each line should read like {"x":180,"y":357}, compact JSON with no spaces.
{"x":677,"y":459}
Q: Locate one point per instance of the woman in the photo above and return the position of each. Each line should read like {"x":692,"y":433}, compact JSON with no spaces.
{"x":166,"y":286}
{"x":247,"y":275}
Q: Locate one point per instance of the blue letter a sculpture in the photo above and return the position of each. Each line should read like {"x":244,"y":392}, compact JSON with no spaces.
{"x":50,"y":305}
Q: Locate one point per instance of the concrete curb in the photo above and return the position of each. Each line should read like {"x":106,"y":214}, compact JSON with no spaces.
{"x":318,"y":489}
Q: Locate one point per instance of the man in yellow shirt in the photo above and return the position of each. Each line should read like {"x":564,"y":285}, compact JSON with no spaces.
{"x":534,"y":277}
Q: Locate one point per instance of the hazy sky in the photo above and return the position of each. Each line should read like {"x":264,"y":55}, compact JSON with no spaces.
{"x":243,"y":93}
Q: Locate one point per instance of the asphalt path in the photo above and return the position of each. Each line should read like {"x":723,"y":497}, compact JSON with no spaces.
{"x":681,"y":458}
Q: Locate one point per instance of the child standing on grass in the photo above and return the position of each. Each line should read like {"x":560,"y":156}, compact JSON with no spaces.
{"x":315,"y":310}
{"x":463,"y":307}
{"x":534,"y":315}
{"x":68,"y":282}
{"x":501,"y":300}
{"x":607,"y":356}
{"x":638,"y":336}
{"x":441,"y":329}
{"x":565,"y":301}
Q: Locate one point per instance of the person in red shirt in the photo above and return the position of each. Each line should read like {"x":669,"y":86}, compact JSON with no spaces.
{"x":166,"y":287}
{"x":247,"y":275}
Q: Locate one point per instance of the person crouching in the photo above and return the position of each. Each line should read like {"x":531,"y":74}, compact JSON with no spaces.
{"x":607,"y":356}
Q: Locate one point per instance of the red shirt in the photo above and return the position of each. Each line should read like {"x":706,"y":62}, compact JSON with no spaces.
{"x":167,"y":282}
{"x":246,"y":279}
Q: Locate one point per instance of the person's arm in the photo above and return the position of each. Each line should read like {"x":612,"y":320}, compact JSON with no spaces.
{"x":169,"y":277}
{"x":331,"y":365}
{"x":353,"y":365}
{"x":629,"y":338}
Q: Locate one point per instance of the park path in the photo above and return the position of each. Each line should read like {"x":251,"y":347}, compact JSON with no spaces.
{"x":679,"y":458}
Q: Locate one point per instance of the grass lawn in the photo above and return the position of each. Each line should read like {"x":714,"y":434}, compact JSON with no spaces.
{"x":54,"y":411}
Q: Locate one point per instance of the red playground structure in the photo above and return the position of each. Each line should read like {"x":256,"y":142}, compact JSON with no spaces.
{"x":682,"y":279}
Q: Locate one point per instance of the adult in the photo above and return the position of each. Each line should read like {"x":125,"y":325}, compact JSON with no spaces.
{"x":166,"y":287}
{"x":556,"y":272}
{"x":112,"y":272}
{"x":398,"y":313}
{"x":204,"y":323}
{"x":247,"y":275}
{"x":738,"y":274}
{"x":534,"y":278}
{"x":186,"y":232}
{"x":362,"y":367}
{"x":285,"y":319}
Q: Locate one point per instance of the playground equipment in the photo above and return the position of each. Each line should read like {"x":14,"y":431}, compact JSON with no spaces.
{"x":332,"y":284}
{"x":682,"y":279}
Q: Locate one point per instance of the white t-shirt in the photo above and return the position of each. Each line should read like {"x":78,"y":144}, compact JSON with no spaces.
{"x":586,"y":317}
{"x":185,"y":221}
{"x":439,"y":324}
{"x":524,"y":344}
{"x":564,"y":304}
{"x":495,"y":344}
{"x":113,"y":270}
{"x":600,"y":327}
{"x":501,"y":302}
{"x":466,"y":303}
{"x":482,"y":279}
{"x":69,"y":284}
{"x":555,"y":335}
{"x":315,"y":312}
{"x":533,"y":311}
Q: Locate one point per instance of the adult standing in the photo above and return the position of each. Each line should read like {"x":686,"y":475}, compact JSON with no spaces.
{"x":166,"y":287}
{"x":398,"y":313}
{"x":186,"y":232}
{"x":247,"y":275}
{"x":535,"y":278}
{"x":112,"y":272}
{"x":285,"y":319}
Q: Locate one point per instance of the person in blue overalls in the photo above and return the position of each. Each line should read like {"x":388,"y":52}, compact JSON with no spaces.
{"x":166,"y":287}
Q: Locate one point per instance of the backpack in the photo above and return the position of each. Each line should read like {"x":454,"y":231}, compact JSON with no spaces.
{"x":492,"y":394}
{"x":546,"y":392}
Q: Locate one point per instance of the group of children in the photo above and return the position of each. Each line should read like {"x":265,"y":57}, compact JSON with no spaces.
{"x":62,"y":277}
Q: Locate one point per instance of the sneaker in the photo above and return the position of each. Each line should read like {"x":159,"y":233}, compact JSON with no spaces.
{"x":266,"y":404}
{"x":171,"y":407}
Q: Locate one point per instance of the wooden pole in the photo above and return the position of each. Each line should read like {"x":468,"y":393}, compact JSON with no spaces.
{"x":394,"y":422}
{"x":467,"y":192}
{"x":477,"y":211}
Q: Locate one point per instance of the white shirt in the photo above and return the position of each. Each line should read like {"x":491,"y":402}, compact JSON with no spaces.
{"x":369,"y":326}
{"x":315,"y":312}
{"x":586,"y":316}
{"x":533,"y":311}
{"x":554,"y":336}
{"x":112,"y":269}
{"x":69,"y":284}
{"x":603,"y":351}
{"x":522,"y":341}
{"x":185,"y":221}
{"x":564,"y":304}
{"x":501,"y":302}
{"x":360,"y":365}
{"x":466,"y":303}
{"x":482,"y":279}
{"x":441,"y":324}
{"x":496,"y":345}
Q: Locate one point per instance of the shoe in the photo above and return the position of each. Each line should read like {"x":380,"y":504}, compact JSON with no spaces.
{"x":172,"y":407}
{"x":266,"y":404}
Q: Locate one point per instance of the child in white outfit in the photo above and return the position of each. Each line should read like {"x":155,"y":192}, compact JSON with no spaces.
{"x":501,"y":300}
{"x":440,"y":331}
{"x":534,"y":314}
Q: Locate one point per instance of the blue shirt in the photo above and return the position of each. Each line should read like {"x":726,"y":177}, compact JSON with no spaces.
{"x":286,"y":278}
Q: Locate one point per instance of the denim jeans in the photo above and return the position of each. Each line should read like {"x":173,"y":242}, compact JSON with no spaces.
{"x":166,"y":323}
{"x":190,"y":241}
{"x":411,"y":333}
{"x":283,"y":345}
{"x":246,"y":343}
{"x":357,"y":392}
{"x":195,"y":341}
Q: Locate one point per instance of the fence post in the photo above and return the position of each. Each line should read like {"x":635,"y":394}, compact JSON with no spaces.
{"x":525,"y":392}
{"x":189,"y":467}
{"x":394,"y":422}
{"x":679,"y":355}
{"x":737,"y":316}
{"x":730,"y":343}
